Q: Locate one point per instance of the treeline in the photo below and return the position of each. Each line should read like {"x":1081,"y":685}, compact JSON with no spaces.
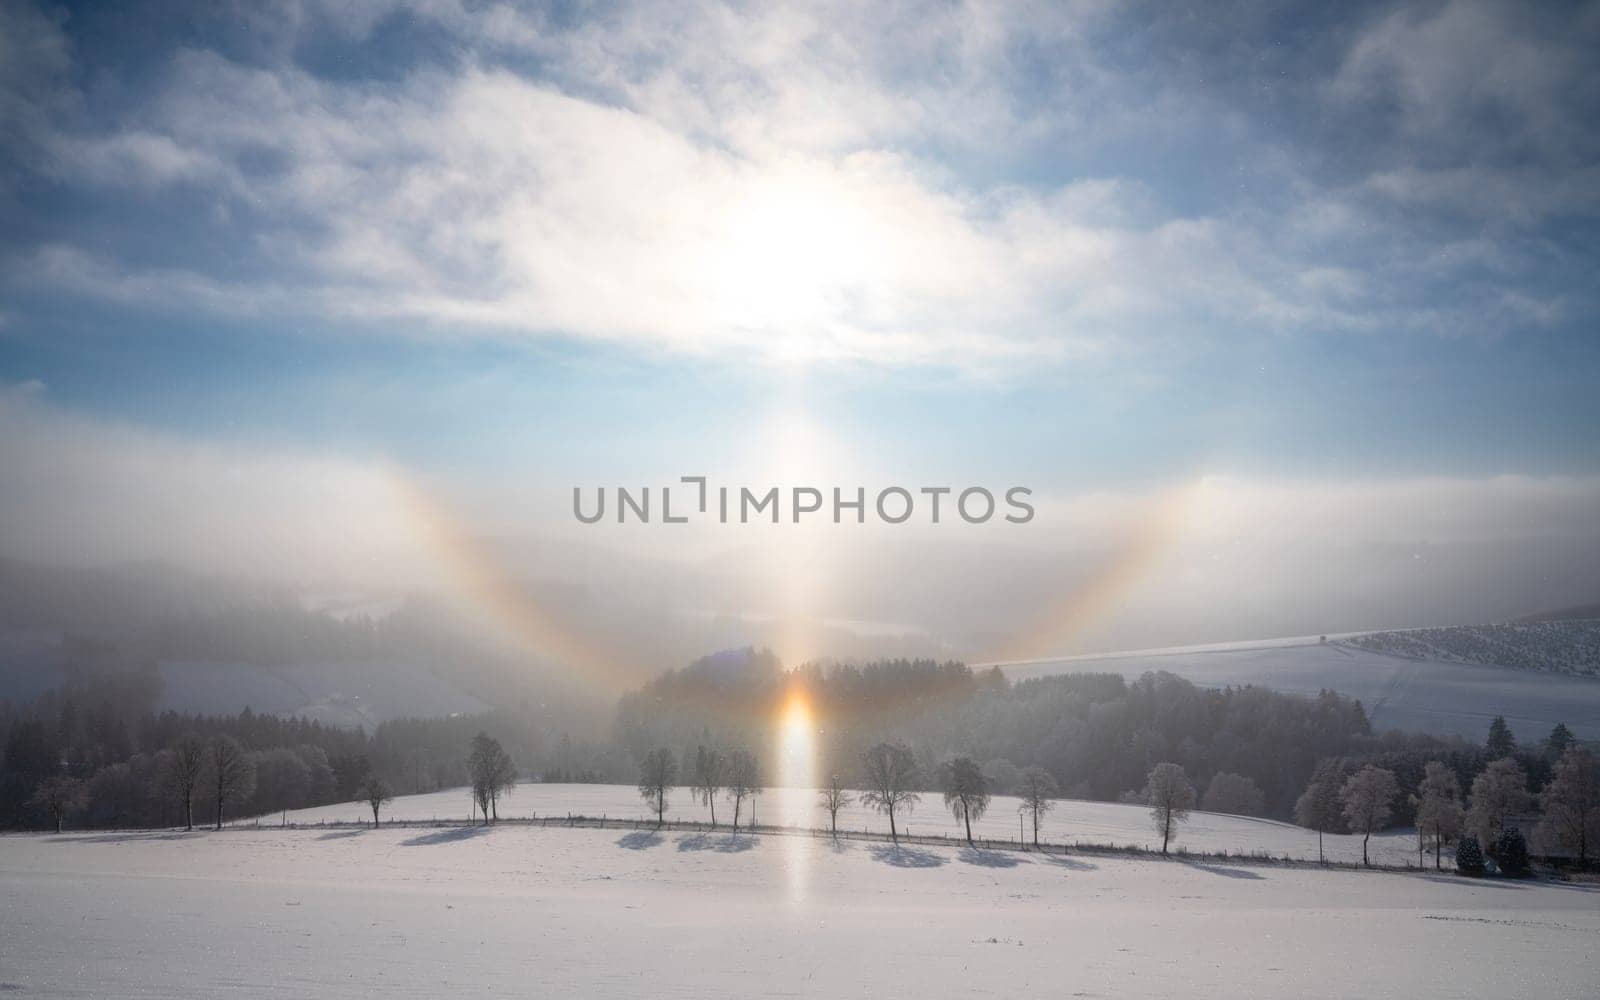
{"x":95,"y":753}
{"x":1097,"y":735}
{"x":1483,"y":801}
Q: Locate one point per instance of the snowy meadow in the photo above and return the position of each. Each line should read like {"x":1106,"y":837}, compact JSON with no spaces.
{"x":514,"y":910}
{"x":1070,"y":822}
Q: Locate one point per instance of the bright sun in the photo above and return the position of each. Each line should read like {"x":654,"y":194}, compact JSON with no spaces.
{"x":788,"y":249}
{"x":797,"y":742}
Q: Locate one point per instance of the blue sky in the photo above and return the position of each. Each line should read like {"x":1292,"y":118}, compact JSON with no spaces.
{"x":1090,"y":247}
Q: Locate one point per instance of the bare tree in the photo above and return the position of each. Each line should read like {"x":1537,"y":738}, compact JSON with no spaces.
{"x":744,"y":782}
{"x":58,"y":795}
{"x":230,"y":772}
{"x":1572,"y":802}
{"x":1368,"y":799}
{"x":891,"y":772}
{"x":1499,"y":793}
{"x":1170,"y":796}
{"x":1318,"y":808}
{"x":184,"y":767}
{"x":709,"y":766}
{"x":1438,"y":807}
{"x":833,"y":798}
{"x":376,"y":791}
{"x":966,"y":790}
{"x":1039,"y":792}
{"x":492,"y":773}
{"x":658,"y":775}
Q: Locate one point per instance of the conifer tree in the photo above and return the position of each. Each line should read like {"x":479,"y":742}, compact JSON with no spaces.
{"x":1501,"y":743}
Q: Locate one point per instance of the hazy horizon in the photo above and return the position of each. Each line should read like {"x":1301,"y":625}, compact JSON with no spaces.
{"x":1287,"y":326}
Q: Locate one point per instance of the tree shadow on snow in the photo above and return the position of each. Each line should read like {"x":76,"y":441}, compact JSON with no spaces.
{"x":1479,"y":882}
{"x":730,"y":843}
{"x":988,"y":859}
{"x":1071,"y":864}
{"x":1225,"y":872}
{"x":639,"y":840}
{"x":129,"y":836}
{"x":447,"y":836}
{"x":904,"y":857}
{"x":342,"y":834}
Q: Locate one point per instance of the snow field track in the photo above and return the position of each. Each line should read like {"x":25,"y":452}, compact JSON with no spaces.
{"x":520,"y":910}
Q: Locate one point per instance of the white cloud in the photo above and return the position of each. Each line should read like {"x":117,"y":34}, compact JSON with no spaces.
{"x":84,"y":492}
{"x":783,"y":183}
{"x":488,"y":202}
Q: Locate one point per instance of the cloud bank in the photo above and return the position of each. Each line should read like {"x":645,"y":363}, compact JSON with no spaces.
{"x":1209,"y":560}
{"x":979,"y":187}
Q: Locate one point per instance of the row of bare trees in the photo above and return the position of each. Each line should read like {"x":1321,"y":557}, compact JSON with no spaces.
{"x":892,"y":786}
{"x":736,"y":773}
{"x":893,"y":777}
{"x":713,"y":773}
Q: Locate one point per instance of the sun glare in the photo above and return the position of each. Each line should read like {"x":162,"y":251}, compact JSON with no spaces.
{"x":789,"y":247}
{"x":797,"y":769}
{"x":797,"y":742}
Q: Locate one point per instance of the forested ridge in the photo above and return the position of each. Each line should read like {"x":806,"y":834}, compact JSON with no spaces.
{"x":1096,"y":736}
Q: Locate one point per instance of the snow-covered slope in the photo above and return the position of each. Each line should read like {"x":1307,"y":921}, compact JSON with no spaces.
{"x":1565,"y":646}
{"x":1399,"y":692}
{"x":526,"y":911}
{"x":1070,"y":821}
{"x":345,"y":693}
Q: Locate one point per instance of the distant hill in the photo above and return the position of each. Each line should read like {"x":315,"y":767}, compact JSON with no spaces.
{"x":1423,"y":682}
{"x":220,"y":646}
{"x":108,"y":600}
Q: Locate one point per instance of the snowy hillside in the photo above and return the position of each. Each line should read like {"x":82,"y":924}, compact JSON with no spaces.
{"x":1557,"y":647}
{"x":1071,"y":821}
{"x":346,"y":693}
{"x":519,"y":911}
{"x":349,"y":693}
{"x":1399,"y":692}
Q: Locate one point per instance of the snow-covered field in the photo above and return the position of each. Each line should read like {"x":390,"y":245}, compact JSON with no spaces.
{"x":1069,"y":822}
{"x":1429,"y":696}
{"x":531,"y":911}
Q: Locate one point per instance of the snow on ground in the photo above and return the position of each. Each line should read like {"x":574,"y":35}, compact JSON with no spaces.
{"x":518,"y":910}
{"x":1069,"y":822}
{"x":1399,"y":693}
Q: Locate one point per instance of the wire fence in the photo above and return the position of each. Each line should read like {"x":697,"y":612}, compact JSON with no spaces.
{"x":906,"y":837}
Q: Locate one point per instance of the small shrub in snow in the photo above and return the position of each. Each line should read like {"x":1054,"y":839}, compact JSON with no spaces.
{"x":1469,"y":856}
